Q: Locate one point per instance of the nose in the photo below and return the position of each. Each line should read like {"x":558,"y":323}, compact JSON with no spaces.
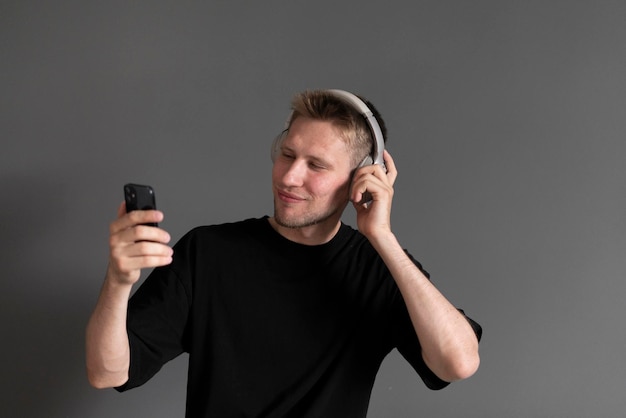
{"x":293,"y":173}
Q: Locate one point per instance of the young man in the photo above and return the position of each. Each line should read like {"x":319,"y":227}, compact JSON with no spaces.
{"x":289,"y":315}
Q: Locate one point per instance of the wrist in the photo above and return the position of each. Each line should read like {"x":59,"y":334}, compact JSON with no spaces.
{"x":383,"y":239}
{"x":115,"y":284}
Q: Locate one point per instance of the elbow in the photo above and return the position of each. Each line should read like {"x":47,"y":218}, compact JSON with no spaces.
{"x":95,"y":380}
{"x":97,"y":383}
{"x":105,"y":370}
{"x":455,"y":367}
{"x":465,"y":368}
{"x":100,"y":380}
{"x":463,"y":362}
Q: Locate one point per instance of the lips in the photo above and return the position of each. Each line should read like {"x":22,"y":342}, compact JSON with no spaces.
{"x":289,"y":197}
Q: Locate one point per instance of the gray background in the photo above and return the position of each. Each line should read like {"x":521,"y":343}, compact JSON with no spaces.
{"x":507,"y":122}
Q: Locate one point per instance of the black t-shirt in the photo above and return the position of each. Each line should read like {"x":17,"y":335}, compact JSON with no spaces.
{"x":273,"y":328}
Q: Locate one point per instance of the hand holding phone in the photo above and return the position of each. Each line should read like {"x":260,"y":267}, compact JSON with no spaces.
{"x":139,"y":197}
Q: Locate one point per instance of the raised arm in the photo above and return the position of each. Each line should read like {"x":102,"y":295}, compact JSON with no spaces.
{"x":133,"y":246}
{"x":449,"y":344}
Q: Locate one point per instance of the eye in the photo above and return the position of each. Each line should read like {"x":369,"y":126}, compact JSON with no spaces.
{"x":316,"y":166}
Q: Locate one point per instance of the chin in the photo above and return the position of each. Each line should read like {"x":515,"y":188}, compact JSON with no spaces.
{"x":295,"y":221}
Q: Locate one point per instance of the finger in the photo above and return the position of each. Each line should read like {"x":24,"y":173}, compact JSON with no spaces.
{"x":137,"y":242}
{"x":139,"y":217}
{"x":142,"y":249}
{"x":392,"y":171}
{"x":140,"y":256}
{"x":125,"y":247}
{"x":136,"y":217}
{"x":150,"y":261}
{"x":377,"y":174}
{"x":371,"y":180}
{"x":140,"y":233}
{"x":358,"y":185}
{"x":377,"y":170}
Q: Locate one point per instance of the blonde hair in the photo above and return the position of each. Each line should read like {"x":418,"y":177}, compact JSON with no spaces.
{"x":323,"y":105}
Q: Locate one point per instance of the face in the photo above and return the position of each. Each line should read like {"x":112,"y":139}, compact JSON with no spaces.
{"x":311,"y":175}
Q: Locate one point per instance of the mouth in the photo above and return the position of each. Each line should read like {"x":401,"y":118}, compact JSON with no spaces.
{"x":289,"y":197}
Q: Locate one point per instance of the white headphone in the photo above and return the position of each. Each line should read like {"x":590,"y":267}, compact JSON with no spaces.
{"x":376,"y":157}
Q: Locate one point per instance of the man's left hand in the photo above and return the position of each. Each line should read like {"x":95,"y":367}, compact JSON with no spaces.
{"x":374,"y":217}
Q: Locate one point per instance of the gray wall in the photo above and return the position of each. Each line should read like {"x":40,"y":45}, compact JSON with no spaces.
{"x":507,"y":122}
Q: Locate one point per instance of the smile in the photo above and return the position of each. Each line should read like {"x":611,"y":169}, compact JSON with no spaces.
{"x":288,"y":197}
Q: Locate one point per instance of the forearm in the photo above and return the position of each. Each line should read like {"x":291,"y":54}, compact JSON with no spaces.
{"x":449,"y":344}
{"x":107,"y":346}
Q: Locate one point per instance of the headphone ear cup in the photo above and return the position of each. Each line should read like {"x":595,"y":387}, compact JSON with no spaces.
{"x":366,"y":161}
{"x":276,"y":144}
{"x":367,"y":197}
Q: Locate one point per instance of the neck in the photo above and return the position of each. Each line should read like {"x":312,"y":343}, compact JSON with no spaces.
{"x":309,"y":235}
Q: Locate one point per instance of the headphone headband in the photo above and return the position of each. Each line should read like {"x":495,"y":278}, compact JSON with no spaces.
{"x":360,"y":106}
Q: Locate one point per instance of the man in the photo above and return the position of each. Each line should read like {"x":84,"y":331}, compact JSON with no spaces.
{"x":289,"y":315}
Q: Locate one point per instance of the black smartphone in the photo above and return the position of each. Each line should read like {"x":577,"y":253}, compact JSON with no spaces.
{"x":139,"y":197}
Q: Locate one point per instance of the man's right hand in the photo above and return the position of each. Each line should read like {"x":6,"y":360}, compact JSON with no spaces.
{"x":134,"y":246}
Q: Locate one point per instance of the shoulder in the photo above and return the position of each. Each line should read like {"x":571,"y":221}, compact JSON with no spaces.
{"x":351,"y":240}
{"x":212,"y":244}
{"x":359,"y":246}
{"x":246,"y":226}
{"x":219,"y":234}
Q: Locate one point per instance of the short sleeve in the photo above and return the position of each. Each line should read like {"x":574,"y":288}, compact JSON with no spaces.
{"x":156,"y":324}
